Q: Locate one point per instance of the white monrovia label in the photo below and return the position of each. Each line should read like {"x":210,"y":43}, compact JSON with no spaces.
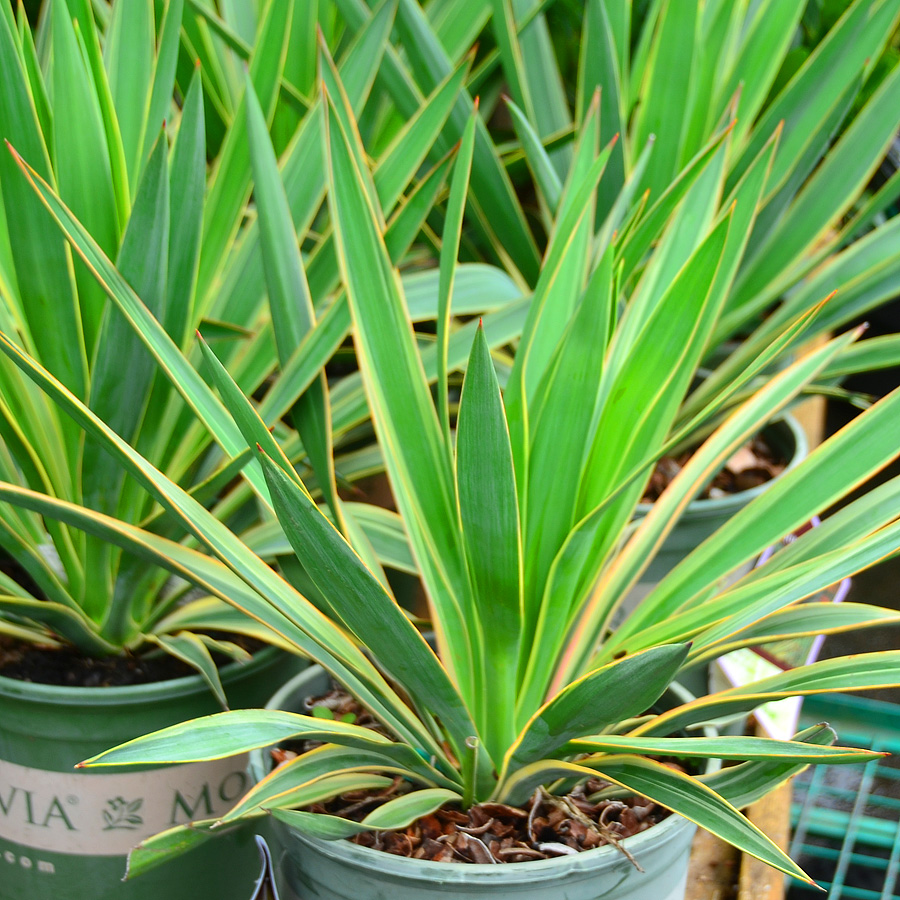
{"x":107,"y":814}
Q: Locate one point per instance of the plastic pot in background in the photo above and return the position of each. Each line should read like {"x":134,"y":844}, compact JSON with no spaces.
{"x":310,"y":869}
{"x":65,"y":833}
{"x":703,"y":517}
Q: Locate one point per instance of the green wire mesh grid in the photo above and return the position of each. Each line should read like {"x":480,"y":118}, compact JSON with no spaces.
{"x":846,"y":819}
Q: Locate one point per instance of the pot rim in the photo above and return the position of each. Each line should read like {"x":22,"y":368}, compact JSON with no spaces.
{"x":715,"y":505}
{"x":113,"y":695}
{"x":669,"y":829}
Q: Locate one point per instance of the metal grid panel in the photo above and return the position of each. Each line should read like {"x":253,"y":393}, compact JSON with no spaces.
{"x":846,"y":819}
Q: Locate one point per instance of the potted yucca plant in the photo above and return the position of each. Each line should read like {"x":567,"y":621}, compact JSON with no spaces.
{"x":95,"y":643}
{"x":143,"y":244}
{"x":520,"y":523}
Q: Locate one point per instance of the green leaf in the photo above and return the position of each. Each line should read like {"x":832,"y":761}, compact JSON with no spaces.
{"x":43,"y":272}
{"x":834,"y":65}
{"x":863,"y":671}
{"x":82,"y":12}
{"x":229,"y":733}
{"x":846,"y":459}
{"x":602,"y":65}
{"x":69,"y":623}
{"x":289,"y":299}
{"x":319,"y":825}
{"x":754,"y":66}
{"x":286,"y":785}
{"x":276,"y":789}
{"x":600,"y":698}
{"x":546,"y":178}
{"x":391,"y":816}
{"x":176,"y":368}
{"x":143,"y":263}
{"x":359,"y":600}
{"x":413,"y":143}
{"x":270,"y":598}
{"x":156,"y":850}
{"x":652,"y":224}
{"x":666,"y":92}
{"x":82,"y":167}
{"x":459,"y":186}
{"x":35,"y":74}
{"x":841,"y":176}
{"x":727,"y":747}
{"x":489,"y":514}
{"x":229,"y":187}
{"x":880,"y":352}
{"x":697,"y":802}
{"x":493,"y":197}
{"x":417,"y":458}
{"x":666,"y":348}
{"x":748,"y":782}
{"x":722,"y":550}
{"x":805,"y":620}
{"x":402,"y":811}
{"x":187,"y":184}
{"x":563,"y":272}
{"x":562,"y":423}
{"x":189,"y":648}
{"x":128,"y":55}
{"x":159,"y":103}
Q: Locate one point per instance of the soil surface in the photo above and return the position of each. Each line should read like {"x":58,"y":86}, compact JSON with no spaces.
{"x":68,"y":668}
{"x":752,"y":465}
{"x":549,"y":826}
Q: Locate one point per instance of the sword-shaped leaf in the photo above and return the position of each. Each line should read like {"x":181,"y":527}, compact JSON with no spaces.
{"x":191,"y":649}
{"x":361,"y":602}
{"x":727,"y":747}
{"x":489,"y":513}
{"x":416,"y":456}
{"x":290,"y":303}
{"x":748,"y":782}
{"x":696,"y":801}
{"x":390,"y":816}
{"x":607,"y":695}
{"x":229,"y":733}
{"x":863,"y":671}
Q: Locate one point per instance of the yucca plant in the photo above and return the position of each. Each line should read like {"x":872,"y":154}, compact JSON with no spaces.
{"x":693,"y":99}
{"x":161,"y":242}
{"x":519,"y":521}
{"x":94,"y":112}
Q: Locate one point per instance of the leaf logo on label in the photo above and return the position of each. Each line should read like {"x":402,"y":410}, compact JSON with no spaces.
{"x":123,"y":814}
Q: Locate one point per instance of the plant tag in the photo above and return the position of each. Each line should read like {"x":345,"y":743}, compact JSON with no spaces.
{"x":107,"y":814}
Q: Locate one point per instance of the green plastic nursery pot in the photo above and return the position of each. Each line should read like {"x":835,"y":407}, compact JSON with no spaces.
{"x":703,"y":517}
{"x":65,"y":833}
{"x":310,"y":869}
